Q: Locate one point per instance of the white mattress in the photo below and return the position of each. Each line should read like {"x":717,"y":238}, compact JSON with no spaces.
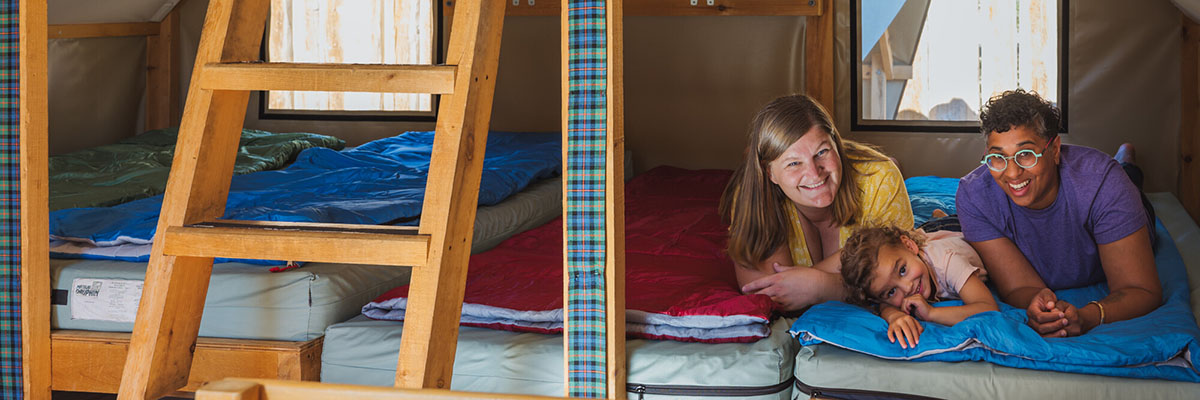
{"x":363,"y":351}
{"x":250,"y":302}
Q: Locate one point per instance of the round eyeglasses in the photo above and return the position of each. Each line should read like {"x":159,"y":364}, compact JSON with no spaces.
{"x":1025,"y":159}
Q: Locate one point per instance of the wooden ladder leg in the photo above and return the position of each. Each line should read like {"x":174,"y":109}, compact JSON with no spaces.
{"x":168,"y":318}
{"x":451,"y":195}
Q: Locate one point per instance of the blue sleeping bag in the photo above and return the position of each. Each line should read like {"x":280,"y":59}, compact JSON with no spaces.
{"x":380,"y":182}
{"x":1161,"y":344}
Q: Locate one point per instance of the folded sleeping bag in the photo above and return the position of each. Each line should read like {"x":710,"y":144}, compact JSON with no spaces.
{"x":379,"y":182}
{"x":679,"y":283}
{"x":137,"y":167}
{"x":1162,"y":344}
{"x":928,"y":193}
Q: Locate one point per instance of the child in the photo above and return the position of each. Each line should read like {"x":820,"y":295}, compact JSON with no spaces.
{"x":903,"y":270}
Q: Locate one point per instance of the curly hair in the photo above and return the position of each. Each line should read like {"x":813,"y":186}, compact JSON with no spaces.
{"x":860,"y":256}
{"x":1017,"y":108}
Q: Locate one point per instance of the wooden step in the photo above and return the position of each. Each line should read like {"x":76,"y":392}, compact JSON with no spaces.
{"x":85,"y":361}
{"x":379,"y":78}
{"x":292,"y":241}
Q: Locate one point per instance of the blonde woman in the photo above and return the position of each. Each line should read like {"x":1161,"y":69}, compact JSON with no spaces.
{"x":798,"y":195}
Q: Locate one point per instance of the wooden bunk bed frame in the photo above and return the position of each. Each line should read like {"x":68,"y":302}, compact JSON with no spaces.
{"x":94,"y":361}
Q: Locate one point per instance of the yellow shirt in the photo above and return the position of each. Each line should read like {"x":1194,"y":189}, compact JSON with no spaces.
{"x":884,"y":202}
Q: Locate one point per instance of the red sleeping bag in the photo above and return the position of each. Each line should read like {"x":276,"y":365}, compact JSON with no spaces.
{"x":679,"y":285}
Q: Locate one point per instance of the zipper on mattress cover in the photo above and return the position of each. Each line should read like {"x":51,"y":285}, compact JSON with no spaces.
{"x":706,"y":391}
{"x":855,"y":394}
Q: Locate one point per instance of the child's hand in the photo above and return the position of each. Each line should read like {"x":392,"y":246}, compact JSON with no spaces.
{"x":906,"y":330}
{"x":917,"y":306}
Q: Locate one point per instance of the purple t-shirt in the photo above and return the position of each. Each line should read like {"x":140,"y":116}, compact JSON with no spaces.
{"x":1096,"y":204}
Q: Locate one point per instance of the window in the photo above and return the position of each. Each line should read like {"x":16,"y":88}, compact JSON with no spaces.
{"x":930,"y":65}
{"x":351,"y":32}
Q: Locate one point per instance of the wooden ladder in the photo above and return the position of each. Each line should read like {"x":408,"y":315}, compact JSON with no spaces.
{"x":190,"y":232}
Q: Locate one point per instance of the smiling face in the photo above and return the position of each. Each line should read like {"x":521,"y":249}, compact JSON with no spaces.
{"x":809,"y":171}
{"x":1035,"y":187}
{"x":899,"y":273}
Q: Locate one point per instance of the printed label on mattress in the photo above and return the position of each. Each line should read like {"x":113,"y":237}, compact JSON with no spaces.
{"x":105,"y":299}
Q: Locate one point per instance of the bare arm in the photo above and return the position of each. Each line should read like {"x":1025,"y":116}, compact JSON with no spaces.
{"x":1016,"y":280}
{"x":764,"y":268}
{"x":976,"y":299}
{"x":1132,"y":278}
{"x":793,"y":288}
{"x":1019,"y":285}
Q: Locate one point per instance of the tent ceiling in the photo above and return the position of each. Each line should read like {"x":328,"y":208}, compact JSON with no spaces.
{"x":1191,"y":8}
{"x":108,"y":11}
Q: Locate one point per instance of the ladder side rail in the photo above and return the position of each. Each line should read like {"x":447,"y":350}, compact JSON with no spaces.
{"x":169,"y":313}
{"x":451,"y":198}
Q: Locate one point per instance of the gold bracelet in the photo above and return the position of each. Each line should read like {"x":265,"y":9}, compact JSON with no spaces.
{"x":1101,"y":307}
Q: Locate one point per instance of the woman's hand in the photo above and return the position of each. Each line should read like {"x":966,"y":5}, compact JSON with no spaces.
{"x":795,"y":288}
{"x":916,"y":305}
{"x":1045,"y":316}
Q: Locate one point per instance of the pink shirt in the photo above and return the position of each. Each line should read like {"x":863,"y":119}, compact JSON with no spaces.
{"x":952,"y":261}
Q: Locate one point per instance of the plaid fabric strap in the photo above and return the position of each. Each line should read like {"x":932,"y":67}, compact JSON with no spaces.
{"x":585,"y":172}
{"x":10,"y":206}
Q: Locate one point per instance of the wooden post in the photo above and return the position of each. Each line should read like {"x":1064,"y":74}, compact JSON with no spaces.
{"x":451,"y":198}
{"x":614,"y":198}
{"x":818,"y":56}
{"x":35,"y":201}
{"x":1189,"y":130}
{"x":164,"y":335}
{"x":582,"y":73}
{"x":162,"y":73}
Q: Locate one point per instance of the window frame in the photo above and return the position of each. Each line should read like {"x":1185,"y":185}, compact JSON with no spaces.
{"x":857,"y":123}
{"x":439,"y":58}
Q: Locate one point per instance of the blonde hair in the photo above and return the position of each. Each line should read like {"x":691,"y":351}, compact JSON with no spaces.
{"x":860,"y":255}
{"x":754,"y":206}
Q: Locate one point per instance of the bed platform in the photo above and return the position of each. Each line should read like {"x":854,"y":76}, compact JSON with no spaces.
{"x":827,"y":371}
{"x":284,"y":313}
{"x":293,"y":305}
{"x":362,"y":351}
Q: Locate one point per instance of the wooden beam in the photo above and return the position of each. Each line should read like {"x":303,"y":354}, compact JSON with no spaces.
{"x":78,"y":31}
{"x":885,"y":54}
{"x":435,"y":79}
{"x":451,"y":198}
{"x":1189,"y":132}
{"x":614,"y":208}
{"x":678,"y":7}
{"x":818,"y":56}
{"x":35,"y":200}
{"x":86,"y":361}
{"x":168,"y":317}
{"x":263,"y":389}
{"x":383,"y":246}
{"x":162,"y":74}
{"x":875,"y":101}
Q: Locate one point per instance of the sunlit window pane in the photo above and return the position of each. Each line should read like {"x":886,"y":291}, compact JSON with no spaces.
{"x":942,"y":59}
{"x":351,"y":32}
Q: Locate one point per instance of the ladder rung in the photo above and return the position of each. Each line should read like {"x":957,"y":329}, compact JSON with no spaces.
{"x":290,"y":241}
{"x":435,"y":79}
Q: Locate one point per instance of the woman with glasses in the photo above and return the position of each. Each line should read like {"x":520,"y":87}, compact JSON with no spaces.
{"x":1046,"y":216}
{"x":798,"y":196}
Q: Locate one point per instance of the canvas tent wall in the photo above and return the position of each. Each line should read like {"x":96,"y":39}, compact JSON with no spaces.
{"x":704,"y":77}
